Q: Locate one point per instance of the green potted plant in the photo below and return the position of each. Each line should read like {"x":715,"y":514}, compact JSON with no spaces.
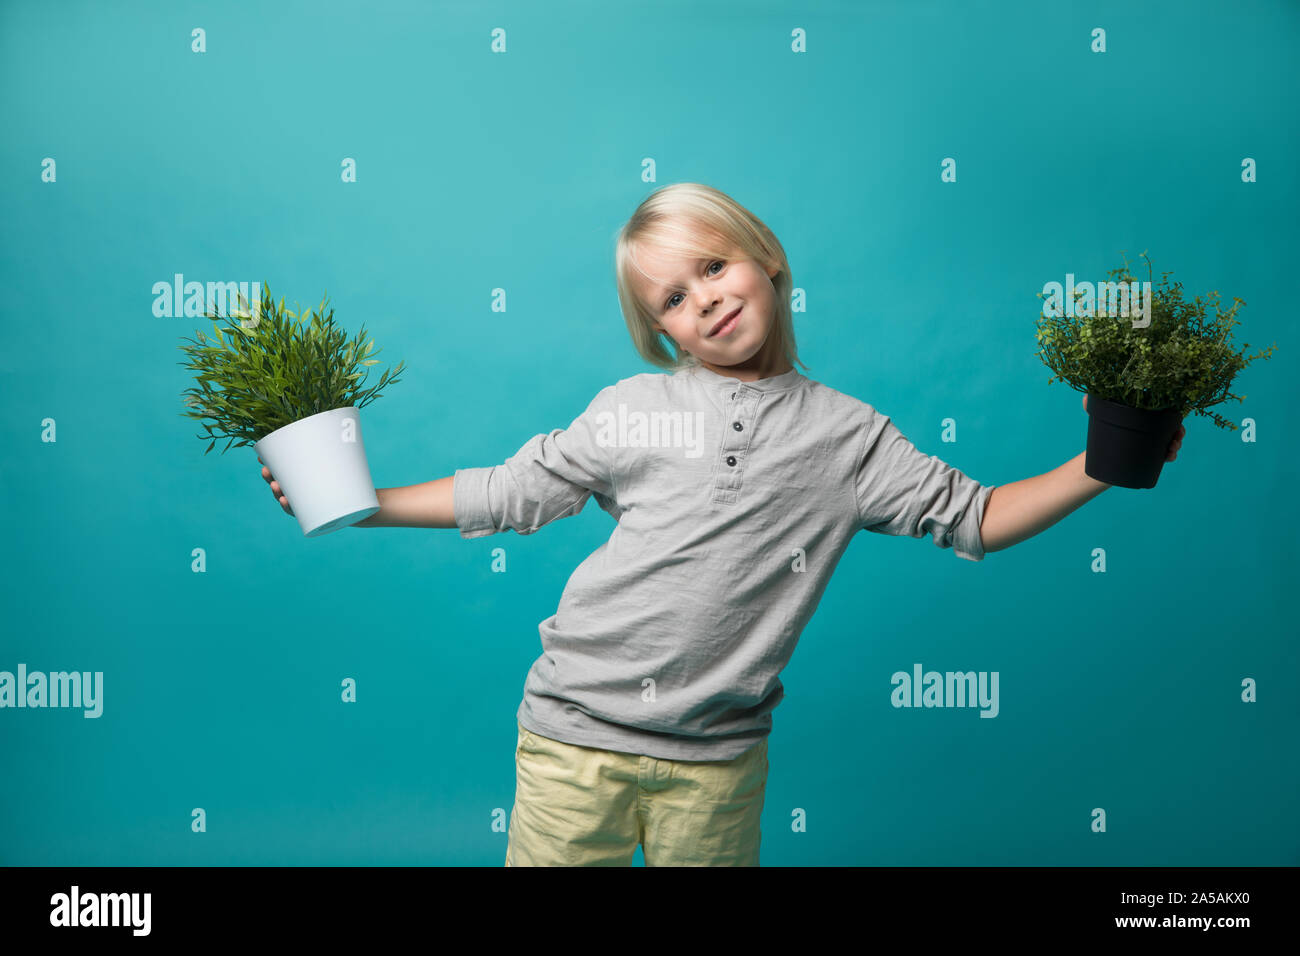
{"x":291,"y":386}
{"x":1142,"y":378}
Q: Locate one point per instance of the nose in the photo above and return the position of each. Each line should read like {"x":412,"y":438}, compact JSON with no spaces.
{"x":706,"y":298}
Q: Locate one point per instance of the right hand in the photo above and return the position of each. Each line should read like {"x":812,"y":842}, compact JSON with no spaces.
{"x":275,"y":489}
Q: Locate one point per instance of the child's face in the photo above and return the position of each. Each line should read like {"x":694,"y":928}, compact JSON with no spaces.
{"x":689,"y":298}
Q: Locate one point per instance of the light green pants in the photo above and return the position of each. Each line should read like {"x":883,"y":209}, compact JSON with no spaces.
{"x":579,"y":806}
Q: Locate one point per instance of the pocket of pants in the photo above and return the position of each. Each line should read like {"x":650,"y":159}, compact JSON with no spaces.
{"x":526,"y":739}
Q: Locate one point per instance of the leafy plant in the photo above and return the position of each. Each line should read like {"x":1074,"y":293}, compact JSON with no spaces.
{"x":1180,"y":360}
{"x":268,"y":367}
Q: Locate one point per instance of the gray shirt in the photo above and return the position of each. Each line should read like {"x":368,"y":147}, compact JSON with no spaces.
{"x":734,"y":502}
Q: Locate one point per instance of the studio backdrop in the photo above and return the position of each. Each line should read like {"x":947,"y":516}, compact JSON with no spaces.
{"x":452,"y":176}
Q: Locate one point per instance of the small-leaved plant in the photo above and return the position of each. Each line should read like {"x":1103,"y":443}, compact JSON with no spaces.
{"x":1182,"y":360}
{"x":267,"y":367}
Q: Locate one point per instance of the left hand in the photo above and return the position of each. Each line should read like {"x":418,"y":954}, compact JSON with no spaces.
{"x":1175,"y":444}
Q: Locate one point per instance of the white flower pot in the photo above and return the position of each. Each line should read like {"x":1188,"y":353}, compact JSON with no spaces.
{"x":319,"y":462}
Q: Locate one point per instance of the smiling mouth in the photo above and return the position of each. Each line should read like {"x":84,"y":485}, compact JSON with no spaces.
{"x":727,"y":320}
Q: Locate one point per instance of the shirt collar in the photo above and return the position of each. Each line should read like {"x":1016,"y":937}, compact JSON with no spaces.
{"x":775,"y":383}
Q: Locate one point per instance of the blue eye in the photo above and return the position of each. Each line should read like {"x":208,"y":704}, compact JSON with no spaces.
{"x":715,"y":262}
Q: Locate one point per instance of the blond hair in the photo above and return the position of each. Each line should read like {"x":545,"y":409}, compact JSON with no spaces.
{"x":693,"y":220}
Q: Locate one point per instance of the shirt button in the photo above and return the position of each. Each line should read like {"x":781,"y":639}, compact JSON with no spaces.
{"x":731,"y":460}
{"x":737,"y":426}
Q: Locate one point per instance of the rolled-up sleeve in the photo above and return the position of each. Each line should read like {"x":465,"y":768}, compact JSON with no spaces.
{"x":550,"y":477}
{"x":902,"y":491}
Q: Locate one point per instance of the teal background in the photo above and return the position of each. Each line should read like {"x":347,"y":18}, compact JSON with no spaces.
{"x":1118,"y":690}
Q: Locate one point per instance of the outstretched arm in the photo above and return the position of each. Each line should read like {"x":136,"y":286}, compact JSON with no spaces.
{"x":426,"y":505}
{"x":550,"y":477}
{"x":1022,"y":509}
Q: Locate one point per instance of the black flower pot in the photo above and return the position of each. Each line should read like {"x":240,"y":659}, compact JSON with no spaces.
{"x":1127,"y":446}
